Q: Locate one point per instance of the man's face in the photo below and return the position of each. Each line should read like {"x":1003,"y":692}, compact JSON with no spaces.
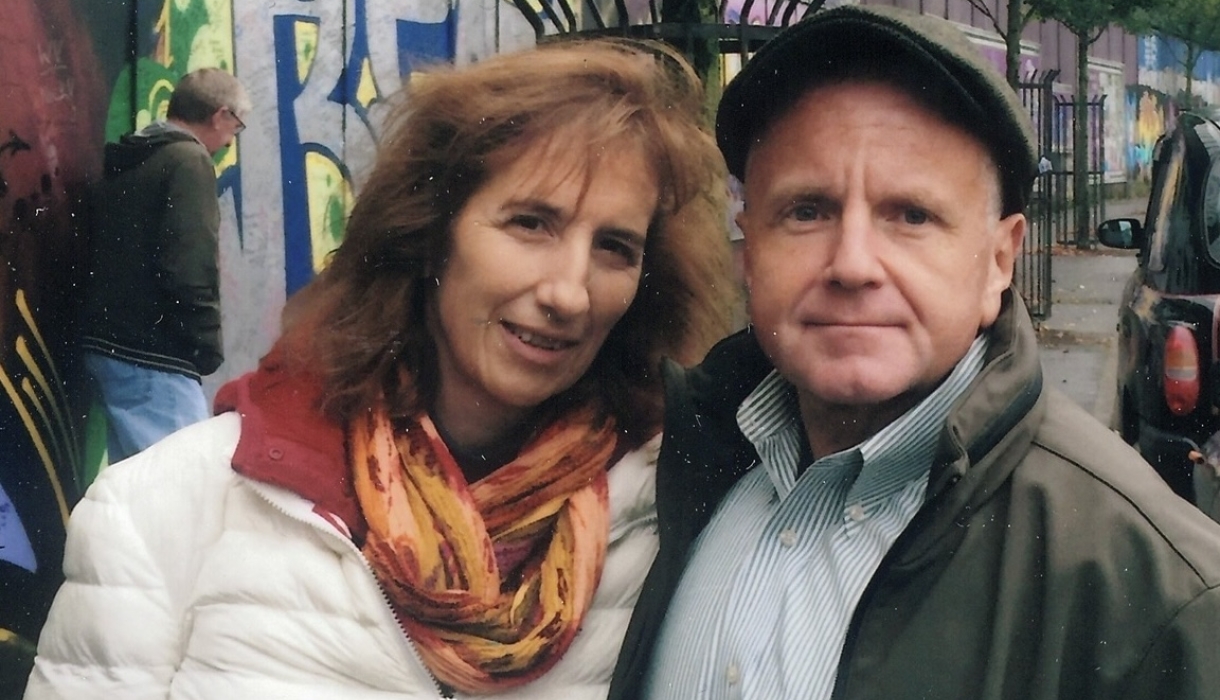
{"x":874,"y":247}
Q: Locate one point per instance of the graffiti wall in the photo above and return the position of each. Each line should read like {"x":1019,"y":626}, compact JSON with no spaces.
{"x":1162,"y":68}
{"x":52,"y":85}
{"x":1153,"y":104}
{"x":321,"y":74}
{"x":1150,"y":113}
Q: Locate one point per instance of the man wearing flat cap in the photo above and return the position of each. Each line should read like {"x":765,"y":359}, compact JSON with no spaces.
{"x":869,"y":493}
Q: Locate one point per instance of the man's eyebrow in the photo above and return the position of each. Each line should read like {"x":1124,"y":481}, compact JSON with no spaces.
{"x":800,"y":191}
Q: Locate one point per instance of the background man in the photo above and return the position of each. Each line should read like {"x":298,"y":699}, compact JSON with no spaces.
{"x":151,"y":324}
{"x":872,"y":492}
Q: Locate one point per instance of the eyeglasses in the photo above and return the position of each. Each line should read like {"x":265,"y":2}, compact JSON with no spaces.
{"x":241,"y":126}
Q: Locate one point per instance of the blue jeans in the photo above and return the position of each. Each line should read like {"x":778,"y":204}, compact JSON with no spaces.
{"x":143,"y":405}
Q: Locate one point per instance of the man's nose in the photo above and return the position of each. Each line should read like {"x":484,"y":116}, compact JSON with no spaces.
{"x":853,"y":261}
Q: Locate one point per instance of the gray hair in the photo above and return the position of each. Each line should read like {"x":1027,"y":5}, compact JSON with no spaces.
{"x":201,"y":92}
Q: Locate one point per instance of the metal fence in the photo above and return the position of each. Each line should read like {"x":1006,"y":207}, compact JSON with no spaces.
{"x":1052,"y":216}
{"x":1069,"y":229}
{"x":1032,"y":275}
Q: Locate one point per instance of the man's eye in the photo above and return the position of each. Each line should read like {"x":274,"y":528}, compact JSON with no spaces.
{"x":806,"y":212}
{"x":915,"y":216}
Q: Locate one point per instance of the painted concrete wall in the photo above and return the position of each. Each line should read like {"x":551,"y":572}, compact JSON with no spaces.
{"x":52,"y":109}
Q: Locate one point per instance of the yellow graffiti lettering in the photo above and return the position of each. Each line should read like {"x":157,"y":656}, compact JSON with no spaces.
{"x":330,"y":201}
{"x":306,"y":36}
{"x":41,"y":447}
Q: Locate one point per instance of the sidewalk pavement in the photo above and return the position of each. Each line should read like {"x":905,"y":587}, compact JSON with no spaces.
{"x":1079,"y":341}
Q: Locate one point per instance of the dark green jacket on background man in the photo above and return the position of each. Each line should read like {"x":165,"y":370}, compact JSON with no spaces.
{"x":153,"y":293}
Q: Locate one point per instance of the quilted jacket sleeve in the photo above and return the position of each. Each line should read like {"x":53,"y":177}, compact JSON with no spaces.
{"x":117,"y":625}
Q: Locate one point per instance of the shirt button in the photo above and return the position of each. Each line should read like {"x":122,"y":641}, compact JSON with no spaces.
{"x":787,"y":538}
{"x":275,"y":453}
{"x":856,"y":512}
{"x":732,"y":674}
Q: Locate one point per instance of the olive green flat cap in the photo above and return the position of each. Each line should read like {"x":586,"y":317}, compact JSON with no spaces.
{"x":828,"y":43}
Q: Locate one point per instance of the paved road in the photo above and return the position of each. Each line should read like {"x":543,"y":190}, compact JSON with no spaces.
{"x":1079,"y":339}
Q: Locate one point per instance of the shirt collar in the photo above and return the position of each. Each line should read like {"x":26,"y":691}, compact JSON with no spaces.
{"x":769,"y":418}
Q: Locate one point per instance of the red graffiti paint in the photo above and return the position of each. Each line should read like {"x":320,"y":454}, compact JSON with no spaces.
{"x":50,"y":146}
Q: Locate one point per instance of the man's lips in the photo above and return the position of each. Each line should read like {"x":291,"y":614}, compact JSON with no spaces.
{"x":537,"y":339}
{"x":836,"y":323}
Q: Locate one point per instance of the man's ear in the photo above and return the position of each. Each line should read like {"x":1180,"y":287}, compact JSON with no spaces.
{"x":1007,"y":238}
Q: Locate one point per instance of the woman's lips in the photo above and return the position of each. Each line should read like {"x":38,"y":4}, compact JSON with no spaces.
{"x":536,"y":339}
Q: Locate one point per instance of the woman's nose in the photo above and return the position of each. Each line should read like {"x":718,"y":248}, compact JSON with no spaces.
{"x":564,"y":287}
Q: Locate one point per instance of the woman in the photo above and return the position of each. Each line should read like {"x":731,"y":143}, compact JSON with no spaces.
{"x":438,"y":482}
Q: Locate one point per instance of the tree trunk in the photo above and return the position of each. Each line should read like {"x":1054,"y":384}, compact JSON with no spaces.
{"x":1080,"y":143}
{"x":1192,"y":57}
{"x":1012,"y":43}
{"x":704,"y":54}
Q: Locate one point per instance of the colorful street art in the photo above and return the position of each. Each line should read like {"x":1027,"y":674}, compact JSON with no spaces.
{"x":51,"y":86}
{"x":1150,"y":113}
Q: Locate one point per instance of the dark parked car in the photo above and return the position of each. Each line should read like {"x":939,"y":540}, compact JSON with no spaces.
{"x":1169,"y":347}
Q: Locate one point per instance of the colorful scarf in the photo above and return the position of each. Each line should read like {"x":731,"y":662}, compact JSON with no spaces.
{"x":491,"y":580}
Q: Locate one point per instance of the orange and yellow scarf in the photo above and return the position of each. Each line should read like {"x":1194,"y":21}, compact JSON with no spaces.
{"x":491,"y":580}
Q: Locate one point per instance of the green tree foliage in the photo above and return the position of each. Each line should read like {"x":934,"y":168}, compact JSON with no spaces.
{"x":1196,"y":23}
{"x":1087,"y":20}
{"x":703,"y":52}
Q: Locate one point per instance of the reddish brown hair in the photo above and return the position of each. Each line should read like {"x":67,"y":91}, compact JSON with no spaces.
{"x":363,"y":317}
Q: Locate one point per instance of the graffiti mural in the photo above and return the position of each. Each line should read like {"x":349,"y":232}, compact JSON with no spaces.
{"x":1162,"y":68}
{"x":1107,"y":80}
{"x":51,"y":83}
{"x":1150,"y":113}
{"x":322,"y":75}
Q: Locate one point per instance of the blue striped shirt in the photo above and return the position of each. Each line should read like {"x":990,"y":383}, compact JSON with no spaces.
{"x":765,"y":602}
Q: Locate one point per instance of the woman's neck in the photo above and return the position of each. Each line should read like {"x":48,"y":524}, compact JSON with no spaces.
{"x":481,"y":447}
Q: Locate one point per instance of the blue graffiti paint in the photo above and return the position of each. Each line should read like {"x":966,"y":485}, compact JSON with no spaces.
{"x":15,"y":546}
{"x":358,"y":62}
{"x":298,"y":262}
{"x":419,"y":43}
{"x":422,"y":43}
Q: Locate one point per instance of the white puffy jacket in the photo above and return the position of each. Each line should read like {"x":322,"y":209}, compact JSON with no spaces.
{"x":186,"y":580}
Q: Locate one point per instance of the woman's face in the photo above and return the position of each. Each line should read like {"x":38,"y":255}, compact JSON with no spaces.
{"x":544,"y":259}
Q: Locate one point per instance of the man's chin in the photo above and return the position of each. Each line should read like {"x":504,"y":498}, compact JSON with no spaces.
{"x":858,"y":393}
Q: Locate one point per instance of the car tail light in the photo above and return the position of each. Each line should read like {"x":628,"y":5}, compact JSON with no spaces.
{"x":1181,"y":371}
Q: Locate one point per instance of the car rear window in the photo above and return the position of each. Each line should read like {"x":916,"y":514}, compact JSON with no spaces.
{"x":1210,"y":204}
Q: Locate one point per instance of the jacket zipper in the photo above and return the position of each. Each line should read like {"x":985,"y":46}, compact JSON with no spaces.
{"x":329,"y":531}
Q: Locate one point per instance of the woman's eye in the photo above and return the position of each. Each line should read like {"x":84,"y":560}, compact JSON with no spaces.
{"x":527,"y":222}
{"x":627,"y":252}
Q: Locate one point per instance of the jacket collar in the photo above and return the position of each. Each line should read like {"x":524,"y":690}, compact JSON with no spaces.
{"x":286,"y":441}
{"x":1002,"y":405}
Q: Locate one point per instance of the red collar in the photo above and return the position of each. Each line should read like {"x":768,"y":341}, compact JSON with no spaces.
{"x":287,"y":442}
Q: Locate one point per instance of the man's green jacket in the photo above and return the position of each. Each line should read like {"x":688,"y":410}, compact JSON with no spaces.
{"x":1048,"y":562}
